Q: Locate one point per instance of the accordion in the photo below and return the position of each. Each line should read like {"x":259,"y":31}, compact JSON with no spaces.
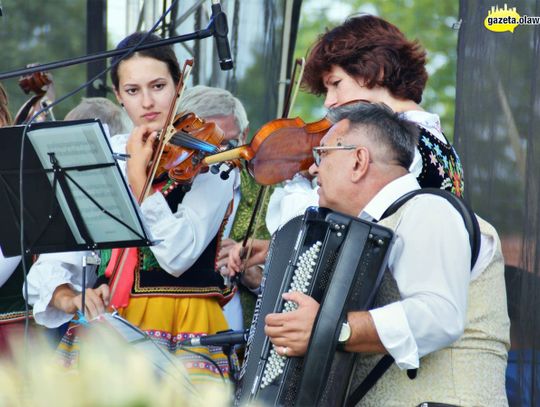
{"x":338,"y":260}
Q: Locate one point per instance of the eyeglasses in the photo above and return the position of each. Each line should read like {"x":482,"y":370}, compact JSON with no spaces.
{"x":318,"y":152}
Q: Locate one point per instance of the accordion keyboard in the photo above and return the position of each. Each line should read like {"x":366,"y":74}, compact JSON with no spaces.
{"x":302,"y":275}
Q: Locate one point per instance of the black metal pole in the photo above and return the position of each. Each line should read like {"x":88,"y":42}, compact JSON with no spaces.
{"x":96,"y":40}
{"x":197,"y":35}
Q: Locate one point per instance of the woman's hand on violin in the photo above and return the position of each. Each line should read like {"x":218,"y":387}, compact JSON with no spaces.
{"x":140,"y":147}
{"x":68,"y":300}
{"x":251,"y":277}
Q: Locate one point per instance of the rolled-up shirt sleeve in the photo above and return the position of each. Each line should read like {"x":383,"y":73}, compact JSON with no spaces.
{"x":431,"y":265}
{"x":289,"y":201}
{"x":49,"y":272}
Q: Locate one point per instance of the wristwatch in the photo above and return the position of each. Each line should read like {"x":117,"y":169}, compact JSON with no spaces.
{"x":345,"y":333}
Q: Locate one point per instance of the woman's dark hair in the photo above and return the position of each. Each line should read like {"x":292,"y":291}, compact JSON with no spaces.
{"x":370,"y":48}
{"x":163,"y":54}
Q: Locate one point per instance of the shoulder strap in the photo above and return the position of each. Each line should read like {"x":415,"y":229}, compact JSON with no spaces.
{"x":473,"y":228}
{"x":469,"y":218}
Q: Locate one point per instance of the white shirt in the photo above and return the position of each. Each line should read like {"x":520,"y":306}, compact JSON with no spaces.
{"x":297,"y":194}
{"x":430,"y":261}
{"x":7,"y":266}
{"x":183,"y":237}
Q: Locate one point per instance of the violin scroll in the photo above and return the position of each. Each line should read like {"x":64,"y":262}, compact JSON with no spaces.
{"x":37,"y":83}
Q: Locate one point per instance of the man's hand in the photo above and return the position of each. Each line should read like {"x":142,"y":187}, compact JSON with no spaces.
{"x":292,"y":330}
{"x":252,"y":277}
{"x":236,"y":263}
{"x":96,"y":300}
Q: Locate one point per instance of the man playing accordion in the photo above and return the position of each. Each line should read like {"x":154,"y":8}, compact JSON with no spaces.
{"x":433,"y":312}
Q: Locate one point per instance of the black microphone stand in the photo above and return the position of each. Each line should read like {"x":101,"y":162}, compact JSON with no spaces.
{"x":197,"y":35}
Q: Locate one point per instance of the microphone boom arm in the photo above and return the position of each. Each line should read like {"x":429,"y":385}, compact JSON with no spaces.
{"x":197,"y":35}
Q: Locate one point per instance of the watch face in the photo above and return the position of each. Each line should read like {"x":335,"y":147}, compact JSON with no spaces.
{"x":345,"y":333}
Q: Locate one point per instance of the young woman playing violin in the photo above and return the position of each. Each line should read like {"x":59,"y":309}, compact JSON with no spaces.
{"x":176,"y":293}
{"x":367,"y":58}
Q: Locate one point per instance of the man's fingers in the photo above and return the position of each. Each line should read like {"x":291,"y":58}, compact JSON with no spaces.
{"x":275,"y":332}
{"x":279,"y":341}
{"x":279,"y":319}
{"x":300,"y":298}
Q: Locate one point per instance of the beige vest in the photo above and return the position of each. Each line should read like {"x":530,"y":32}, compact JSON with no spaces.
{"x":471,"y":371}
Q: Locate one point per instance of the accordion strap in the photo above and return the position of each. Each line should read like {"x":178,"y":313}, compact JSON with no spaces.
{"x":471,"y":223}
{"x":380,"y":368}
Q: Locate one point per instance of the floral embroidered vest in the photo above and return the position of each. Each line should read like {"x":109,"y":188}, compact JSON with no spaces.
{"x":441,"y":167}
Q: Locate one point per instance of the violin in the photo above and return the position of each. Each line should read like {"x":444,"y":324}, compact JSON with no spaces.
{"x":182,"y":145}
{"x":41,"y":84}
{"x":182,"y":157}
{"x":279,"y":149}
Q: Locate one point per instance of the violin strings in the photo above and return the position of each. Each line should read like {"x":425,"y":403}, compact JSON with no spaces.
{"x":185,"y":140}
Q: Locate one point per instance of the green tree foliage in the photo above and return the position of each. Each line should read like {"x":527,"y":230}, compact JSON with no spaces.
{"x":39,"y":32}
{"x":428,"y":21}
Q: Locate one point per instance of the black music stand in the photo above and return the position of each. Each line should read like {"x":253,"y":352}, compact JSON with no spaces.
{"x":75,"y":197}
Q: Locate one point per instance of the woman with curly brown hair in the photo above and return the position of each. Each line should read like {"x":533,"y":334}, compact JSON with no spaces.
{"x":368,"y":58}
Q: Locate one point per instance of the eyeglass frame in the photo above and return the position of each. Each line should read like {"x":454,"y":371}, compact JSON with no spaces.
{"x":317,"y":156}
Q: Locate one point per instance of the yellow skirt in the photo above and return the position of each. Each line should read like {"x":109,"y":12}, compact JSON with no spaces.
{"x":170,"y":320}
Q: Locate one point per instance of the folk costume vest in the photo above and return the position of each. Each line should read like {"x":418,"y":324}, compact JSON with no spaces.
{"x":200,"y":280}
{"x":441,"y":167}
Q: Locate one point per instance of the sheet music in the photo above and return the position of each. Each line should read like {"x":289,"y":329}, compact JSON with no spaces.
{"x":83,"y":144}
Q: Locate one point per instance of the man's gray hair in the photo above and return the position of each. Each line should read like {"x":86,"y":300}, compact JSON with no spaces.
{"x":383,"y":125}
{"x":103,"y":109}
{"x":206,"y":101}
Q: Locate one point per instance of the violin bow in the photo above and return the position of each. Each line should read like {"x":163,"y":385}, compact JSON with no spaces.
{"x":168,"y":130}
{"x":256,"y":215}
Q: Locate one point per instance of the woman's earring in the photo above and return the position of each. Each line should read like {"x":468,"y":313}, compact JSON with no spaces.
{"x":121,"y":104}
